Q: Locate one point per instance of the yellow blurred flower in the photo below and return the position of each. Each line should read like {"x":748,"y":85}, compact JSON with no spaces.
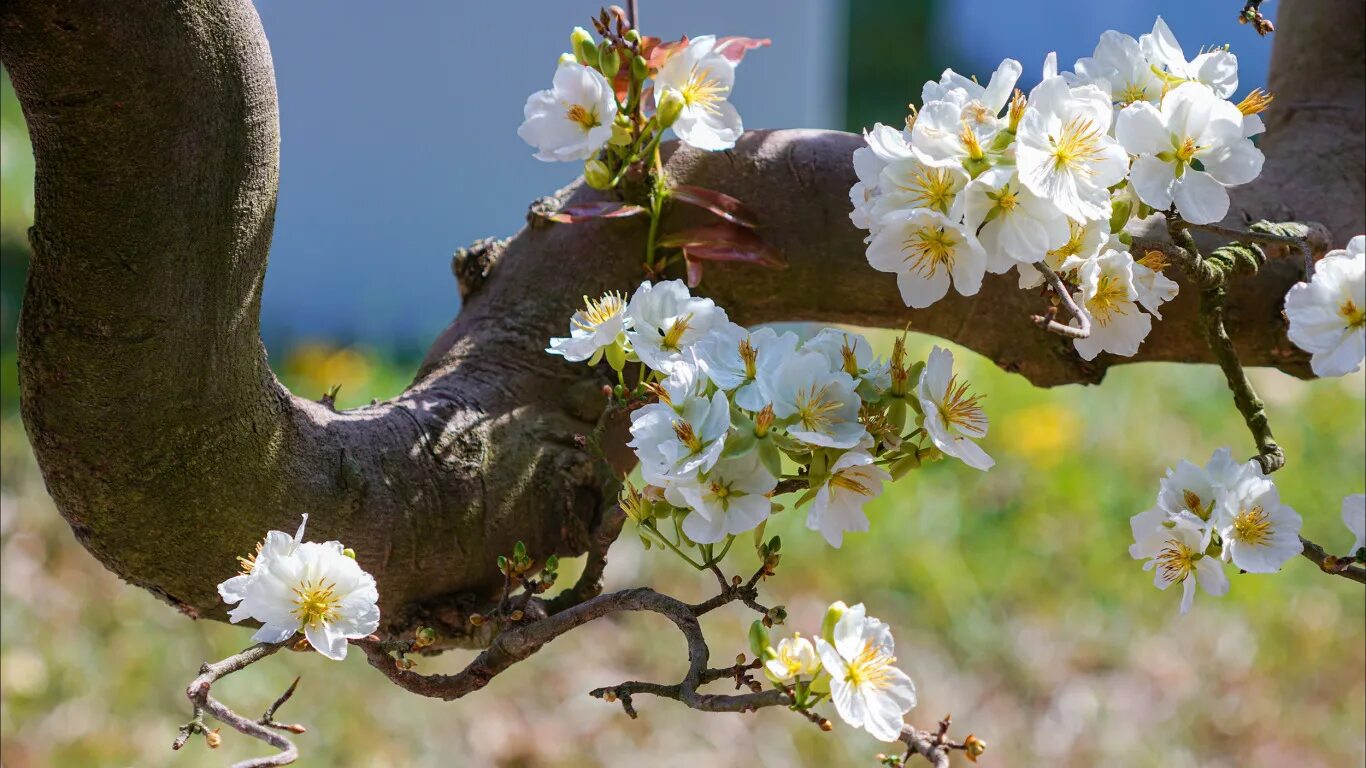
{"x":1039,"y":433}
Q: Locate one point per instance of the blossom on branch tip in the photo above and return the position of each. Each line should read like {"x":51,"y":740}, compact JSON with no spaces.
{"x":1175,"y":552}
{"x":593,"y":329}
{"x":1258,"y":531}
{"x":868,"y":691}
{"x":728,"y":500}
{"x":702,"y":79}
{"x":795,"y":657}
{"x":573,"y":119}
{"x":315,"y":588}
{"x":954,"y":418}
{"x":1013,"y":225}
{"x":1108,"y":297}
{"x":1328,"y":313}
{"x":1216,"y":69}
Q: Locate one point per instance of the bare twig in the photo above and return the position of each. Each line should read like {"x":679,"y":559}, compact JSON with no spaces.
{"x":268,"y":719}
{"x":1083,"y":327}
{"x":1345,"y":567}
{"x":198,"y":693}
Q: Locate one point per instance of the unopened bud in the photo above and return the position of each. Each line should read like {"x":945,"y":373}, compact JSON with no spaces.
{"x":974,"y":747}
{"x":763,"y":421}
{"x":640,"y":68}
{"x":621,"y":134}
{"x":777,"y":614}
{"x":609,"y":695}
{"x":581,"y":43}
{"x":213,"y":738}
{"x":826,"y":726}
{"x":568,"y":58}
{"x":425,"y":636}
{"x":476,"y":619}
{"x":670,"y":106}
{"x":609,"y":61}
{"x":632,"y":36}
{"x":349,"y":552}
{"x":597,"y":174}
{"x":832,"y":617}
{"x":759,"y":642}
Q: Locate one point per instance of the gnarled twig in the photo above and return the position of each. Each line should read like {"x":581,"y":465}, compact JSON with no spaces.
{"x":198,"y":693}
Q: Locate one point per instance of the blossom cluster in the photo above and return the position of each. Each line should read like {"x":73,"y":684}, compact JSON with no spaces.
{"x":1224,"y":512}
{"x":851,"y":661}
{"x":1328,"y":313}
{"x":611,"y":101}
{"x":292,"y":586}
{"x":984,"y":179}
{"x":733,"y":412}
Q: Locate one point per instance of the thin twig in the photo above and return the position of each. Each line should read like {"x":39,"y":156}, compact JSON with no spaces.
{"x":198,"y":693}
{"x":1346,"y":567}
{"x":1083,"y":327}
{"x":268,"y":719}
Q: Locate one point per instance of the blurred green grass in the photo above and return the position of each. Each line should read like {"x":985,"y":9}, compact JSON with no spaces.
{"x":1013,"y":599}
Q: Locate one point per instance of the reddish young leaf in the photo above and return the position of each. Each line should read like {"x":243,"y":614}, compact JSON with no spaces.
{"x":719,"y":203}
{"x":658,"y":53}
{"x":694,"y":268}
{"x":724,"y":242}
{"x":734,"y":48}
{"x":605,"y":209}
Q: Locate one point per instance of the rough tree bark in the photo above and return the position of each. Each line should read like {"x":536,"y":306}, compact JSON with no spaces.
{"x":170,"y":447}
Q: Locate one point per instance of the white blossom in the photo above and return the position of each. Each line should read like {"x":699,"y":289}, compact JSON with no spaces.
{"x":868,"y":691}
{"x":885,"y":145}
{"x":795,"y":657}
{"x":1175,"y":552}
{"x":1354,"y":517}
{"x":1014,"y":225}
{"x":954,"y":418}
{"x":728,"y":500}
{"x":1122,"y":65}
{"x":676,"y":441}
{"x":962,"y":90}
{"x":1188,"y":152}
{"x":1328,"y":314}
{"x":851,"y":353}
{"x":1216,"y":68}
{"x":597,"y":326}
{"x":1084,"y":242}
{"x":1152,"y":288}
{"x":309,"y":587}
{"x":1064,"y":151}
{"x":854,"y":480}
{"x":1108,"y":297}
{"x":927,"y":251}
{"x":818,"y":404}
{"x":738,"y":361}
{"x":909,"y":183}
{"x":1192,"y":494}
{"x":665,"y":320}
{"x":573,"y":119}
{"x":703,"y":78}
{"x":1259,"y":532}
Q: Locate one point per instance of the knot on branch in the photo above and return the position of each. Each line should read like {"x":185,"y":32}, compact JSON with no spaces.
{"x":1229,"y":261}
{"x":471,"y":265}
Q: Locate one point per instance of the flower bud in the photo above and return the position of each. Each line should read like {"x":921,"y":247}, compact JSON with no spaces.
{"x":832,"y":617}
{"x":632,"y":36}
{"x":609,"y":61}
{"x":598,"y":176}
{"x":213,"y":738}
{"x":621,"y":133}
{"x":670,"y":106}
{"x":640,"y":68}
{"x":568,"y":58}
{"x":581,"y":43}
{"x":349,"y":552}
{"x":425,"y":636}
{"x":974,"y":747}
{"x":759,"y":643}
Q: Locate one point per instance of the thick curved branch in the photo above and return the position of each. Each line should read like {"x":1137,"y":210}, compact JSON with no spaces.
{"x":170,"y":448}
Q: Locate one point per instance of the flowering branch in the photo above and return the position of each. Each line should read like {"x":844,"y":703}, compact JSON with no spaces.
{"x":198,"y":693}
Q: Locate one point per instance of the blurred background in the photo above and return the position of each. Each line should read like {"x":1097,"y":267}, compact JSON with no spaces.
{"x":1014,"y":602}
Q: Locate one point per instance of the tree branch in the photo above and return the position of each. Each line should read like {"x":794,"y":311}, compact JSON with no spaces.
{"x":170,"y":447}
{"x":198,"y":693}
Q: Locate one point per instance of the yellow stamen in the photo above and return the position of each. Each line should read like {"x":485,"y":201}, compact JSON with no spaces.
{"x":578,"y":113}
{"x":1354,"y":315}
{"x":1256,"y":102}
{"x":1018,"y":102}
{"x":929,"y":248}
{"x":1111,"y":298}
{"x":1155,"y":260}
{"x":658,"y":390}
{"x":687,"y":436}
{"x":1075,"y":233}
{"x":763,"y":420}
{"x":1252,"y":526}
{"x":872,"y":668}
{"x":961,"y":408}
{"x":816,"y":409}
{"x":597,"y":312}
{"x":1192,"y":500}
{"x":843,"y":480}
{"x":750,"y":356}
{"x":849,"y":358}
{"x":1176,"y":560}
{"x":704,"y":91}
{"x":970,"y":142}
{"x":1187,"y":150}
{"x":1132,"y":92}
{"x":930,"y":188}
{"x":674,"y":335}
{"x":315,"y":602}
{"x":912,"y":112}
{"x":247,"y":564}
{"x":1078,"y":146}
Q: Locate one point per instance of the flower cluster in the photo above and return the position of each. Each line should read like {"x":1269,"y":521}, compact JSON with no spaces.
{"x":983,"y":178}
{"x":851,"y":662}
{"x":1205,"y":516}
{"x":728,"y":413}
{"x":291,"y":586}
{"x":611,"y":101}
{"x":1328,"y":313}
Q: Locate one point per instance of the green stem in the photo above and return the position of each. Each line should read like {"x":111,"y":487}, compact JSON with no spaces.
{"x":665,"y":541}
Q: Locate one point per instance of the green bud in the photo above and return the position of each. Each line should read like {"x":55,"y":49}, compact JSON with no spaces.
{"x":775,"y":544}
{"x":669,"y":108}
{"x":1119,"y":214}
{"x":759,"y":644}
{"x":425,"y":637}
{"x":640,"y":69}
{"x":503,"y":563}
{"x":597,"y":174}
{"x":832,"y":617}
{"x":632,"y":36}
{"x":609,"y":61}
{"x":552,"y":564}
{"x":349,"y":552}
{"x":903,"y":465}
{"x":519,"y":550}
{"x":581,"y":43}
{"x":621,"y":133}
